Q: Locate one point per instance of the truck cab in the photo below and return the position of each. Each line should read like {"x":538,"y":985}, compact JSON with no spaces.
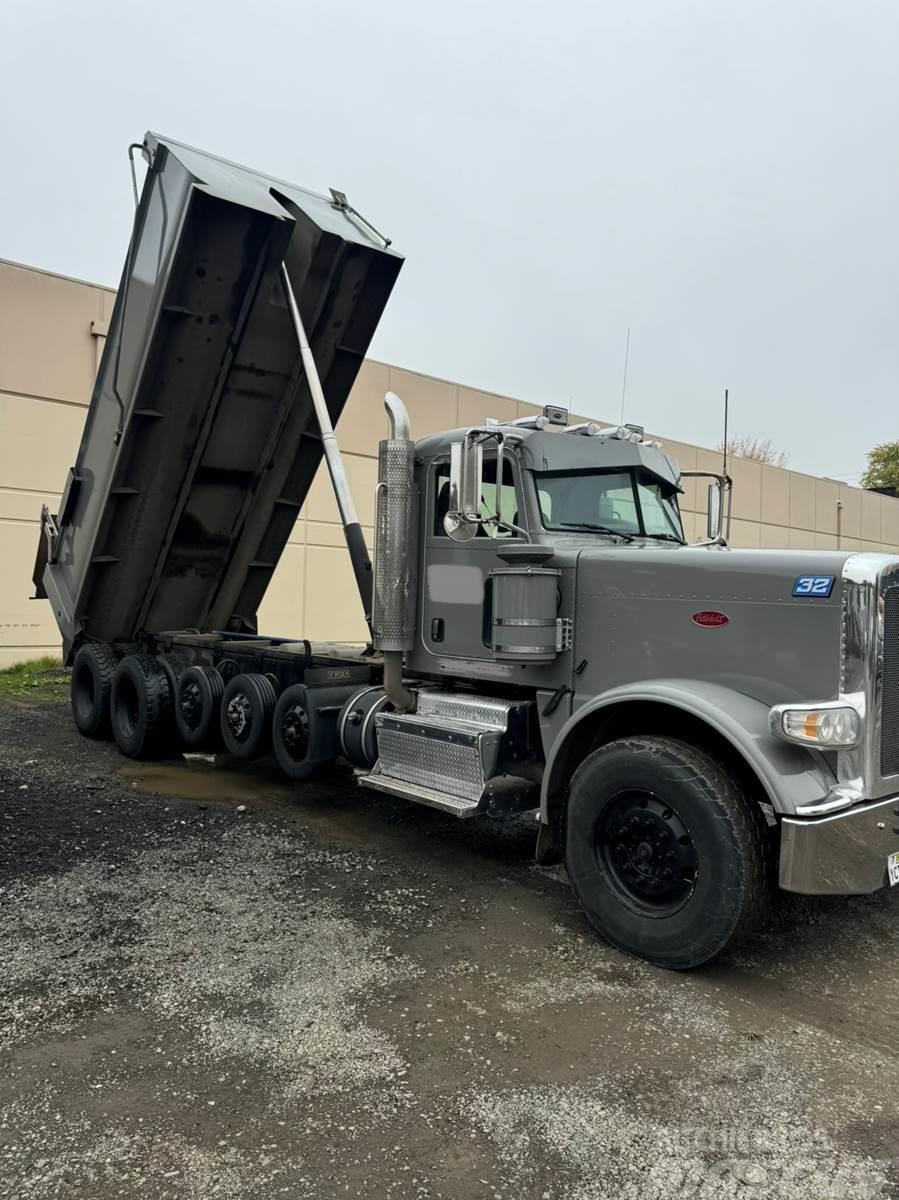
{"x":559,"y":490}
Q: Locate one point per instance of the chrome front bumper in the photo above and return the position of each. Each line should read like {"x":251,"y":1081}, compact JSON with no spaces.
{"x":841,"y":855}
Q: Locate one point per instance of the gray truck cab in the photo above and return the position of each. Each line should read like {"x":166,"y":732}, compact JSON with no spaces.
{"x":560,"y":492}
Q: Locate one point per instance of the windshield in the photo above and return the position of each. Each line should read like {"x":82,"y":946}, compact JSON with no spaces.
{"x":629,"y":503}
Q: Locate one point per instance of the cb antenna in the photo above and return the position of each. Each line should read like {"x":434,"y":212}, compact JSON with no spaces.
{"x":627,"y":347}
{"x":724,"y":467}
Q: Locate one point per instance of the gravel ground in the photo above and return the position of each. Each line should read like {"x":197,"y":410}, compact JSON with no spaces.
{"x":215,"y":984}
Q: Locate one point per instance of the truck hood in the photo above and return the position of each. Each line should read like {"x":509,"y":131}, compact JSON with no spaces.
{"x":645,"y":611}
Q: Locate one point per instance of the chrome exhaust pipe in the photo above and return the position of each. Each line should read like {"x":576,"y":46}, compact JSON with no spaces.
{"x":393,"y":601}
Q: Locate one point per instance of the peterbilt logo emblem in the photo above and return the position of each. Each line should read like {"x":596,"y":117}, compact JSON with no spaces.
{"x":709,"y":619}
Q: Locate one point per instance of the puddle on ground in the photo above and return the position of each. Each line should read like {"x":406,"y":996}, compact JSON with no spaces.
{"x":209,"y":779}
{"x":330,"y":804}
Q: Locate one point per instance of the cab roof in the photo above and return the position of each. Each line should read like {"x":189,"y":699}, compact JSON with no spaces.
{"x":540,"y":450}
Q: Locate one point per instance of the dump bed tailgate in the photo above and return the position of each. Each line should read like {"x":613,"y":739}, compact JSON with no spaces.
{"x":200,"y":443}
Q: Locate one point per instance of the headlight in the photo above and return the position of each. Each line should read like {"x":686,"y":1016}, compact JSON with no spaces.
{"x":830,"y":726}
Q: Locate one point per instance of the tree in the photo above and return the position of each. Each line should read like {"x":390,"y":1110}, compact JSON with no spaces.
{"x":882,"y":470}
{"x":760,"y":450}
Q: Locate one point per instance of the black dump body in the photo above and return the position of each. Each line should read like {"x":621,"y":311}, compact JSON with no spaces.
{"x":201,"y":443}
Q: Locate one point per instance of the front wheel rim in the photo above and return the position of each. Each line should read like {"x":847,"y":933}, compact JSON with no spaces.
{"x":646,"y":852}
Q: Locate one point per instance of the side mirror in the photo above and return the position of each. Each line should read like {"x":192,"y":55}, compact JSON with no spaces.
{"x":721,"y":491}
{"x":466,"y":470}
{"x":713,"y":527}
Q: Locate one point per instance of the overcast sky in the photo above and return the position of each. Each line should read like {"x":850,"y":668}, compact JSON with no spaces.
{"x":723,"y":178}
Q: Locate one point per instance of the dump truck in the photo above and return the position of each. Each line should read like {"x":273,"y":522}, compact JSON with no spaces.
{"x":692,"y":725}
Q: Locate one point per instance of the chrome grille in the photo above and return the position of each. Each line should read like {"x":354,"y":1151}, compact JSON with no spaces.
{"x":869,"y":678}
{"x":889,"y":727}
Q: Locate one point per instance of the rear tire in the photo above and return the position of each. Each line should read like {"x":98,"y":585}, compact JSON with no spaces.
{"x":174,"y":666}
{"x":291,"y":733}
{"x":667,"y":855}
{"x":197,"y":707}
{"x":91,"y":688}
{"x":141,"y":708}
{"x":247,"y":707}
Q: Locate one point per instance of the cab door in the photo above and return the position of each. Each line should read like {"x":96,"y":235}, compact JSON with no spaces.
{"x":456,"y":608}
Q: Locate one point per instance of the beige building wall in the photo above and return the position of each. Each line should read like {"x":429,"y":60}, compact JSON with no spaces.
{"x":51,"y":338}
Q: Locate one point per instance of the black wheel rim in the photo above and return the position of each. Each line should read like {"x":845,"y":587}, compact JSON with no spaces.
{"x":646,"y":852}
{"x":295,"y":732}
{"x":239,"y":715}
{"x":191,"y":705}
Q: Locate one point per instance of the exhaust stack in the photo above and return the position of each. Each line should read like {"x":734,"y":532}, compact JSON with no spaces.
{"x":393,"y":611}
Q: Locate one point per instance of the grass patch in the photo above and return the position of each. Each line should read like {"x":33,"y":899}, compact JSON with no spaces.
{"x":40,"y":678}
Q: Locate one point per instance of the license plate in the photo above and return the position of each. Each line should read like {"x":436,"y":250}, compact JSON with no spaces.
{"x":893,"y":868}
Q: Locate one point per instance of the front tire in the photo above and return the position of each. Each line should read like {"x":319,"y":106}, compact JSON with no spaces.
{"x":666,"y":853}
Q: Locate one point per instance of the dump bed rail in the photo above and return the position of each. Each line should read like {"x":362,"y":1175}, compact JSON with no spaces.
{"x":200,"y":443}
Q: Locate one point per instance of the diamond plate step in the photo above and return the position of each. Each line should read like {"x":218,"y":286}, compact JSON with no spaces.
{"x":462,"y":706}
{"x":455,"y":757}
{"x":451,"y":754}
{"x":421,"y":795}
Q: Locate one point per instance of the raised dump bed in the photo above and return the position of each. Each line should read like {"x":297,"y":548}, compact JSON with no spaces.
{"x":201,"y":440}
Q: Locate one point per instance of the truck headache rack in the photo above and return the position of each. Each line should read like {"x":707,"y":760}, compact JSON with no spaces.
{"x":201,"y":441}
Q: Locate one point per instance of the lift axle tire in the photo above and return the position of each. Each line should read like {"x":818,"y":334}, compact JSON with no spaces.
{"x":174,"y":666}
{"x":91,"y":688}
{"x":141,"y":708}
{"x":246,"y":710}
{"x":291,"y":727}
{"x":668,"y":855}
{"x":197,"y":707}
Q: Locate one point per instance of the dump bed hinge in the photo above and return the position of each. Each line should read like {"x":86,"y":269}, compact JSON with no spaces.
{"x":339,"y":201}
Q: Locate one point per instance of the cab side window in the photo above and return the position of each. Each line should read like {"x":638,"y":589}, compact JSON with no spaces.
{"x":509,"y":501}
